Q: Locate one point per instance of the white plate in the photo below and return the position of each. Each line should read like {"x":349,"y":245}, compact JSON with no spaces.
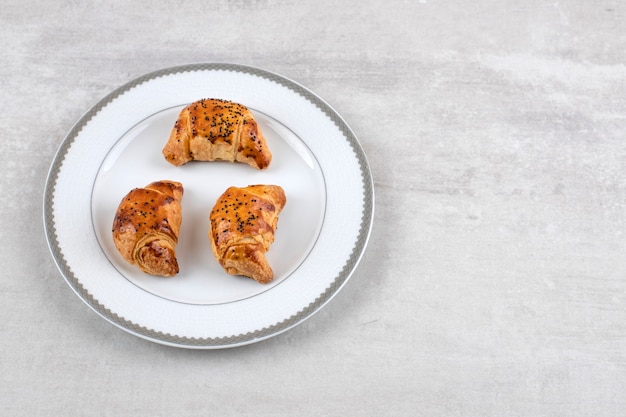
{"x":116,"y":146}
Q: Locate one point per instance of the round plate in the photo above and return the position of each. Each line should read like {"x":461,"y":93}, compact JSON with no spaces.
{"x":116,"y":146}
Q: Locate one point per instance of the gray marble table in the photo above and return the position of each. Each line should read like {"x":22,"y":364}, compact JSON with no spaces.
{"x":494,"y":281}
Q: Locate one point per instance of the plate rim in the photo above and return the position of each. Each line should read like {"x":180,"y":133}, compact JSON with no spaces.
{"x":358,"y":249}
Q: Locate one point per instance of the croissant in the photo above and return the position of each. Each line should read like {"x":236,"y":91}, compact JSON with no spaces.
{"x":241,"y":229}
{"x":146,"y":227}
{"x":215,"y":129}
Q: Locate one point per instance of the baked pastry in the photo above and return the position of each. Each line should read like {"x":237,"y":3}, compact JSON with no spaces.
{"x":241,"y":229}
{"x":146,"y":227}
{"x":214,"y":129}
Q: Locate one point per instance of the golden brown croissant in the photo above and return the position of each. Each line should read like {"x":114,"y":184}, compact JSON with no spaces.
{"x":241,"y":229}
{"x":146,"y":227}
{"x":214,"y":129}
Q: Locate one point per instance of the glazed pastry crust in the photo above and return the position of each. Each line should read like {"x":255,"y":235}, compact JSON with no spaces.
{"x":242,"y":227}
{"x":146,"y":227}
{"x":214,"y":129}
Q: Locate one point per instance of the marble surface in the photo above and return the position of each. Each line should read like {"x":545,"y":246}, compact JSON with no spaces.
{"x":494,"y":282}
